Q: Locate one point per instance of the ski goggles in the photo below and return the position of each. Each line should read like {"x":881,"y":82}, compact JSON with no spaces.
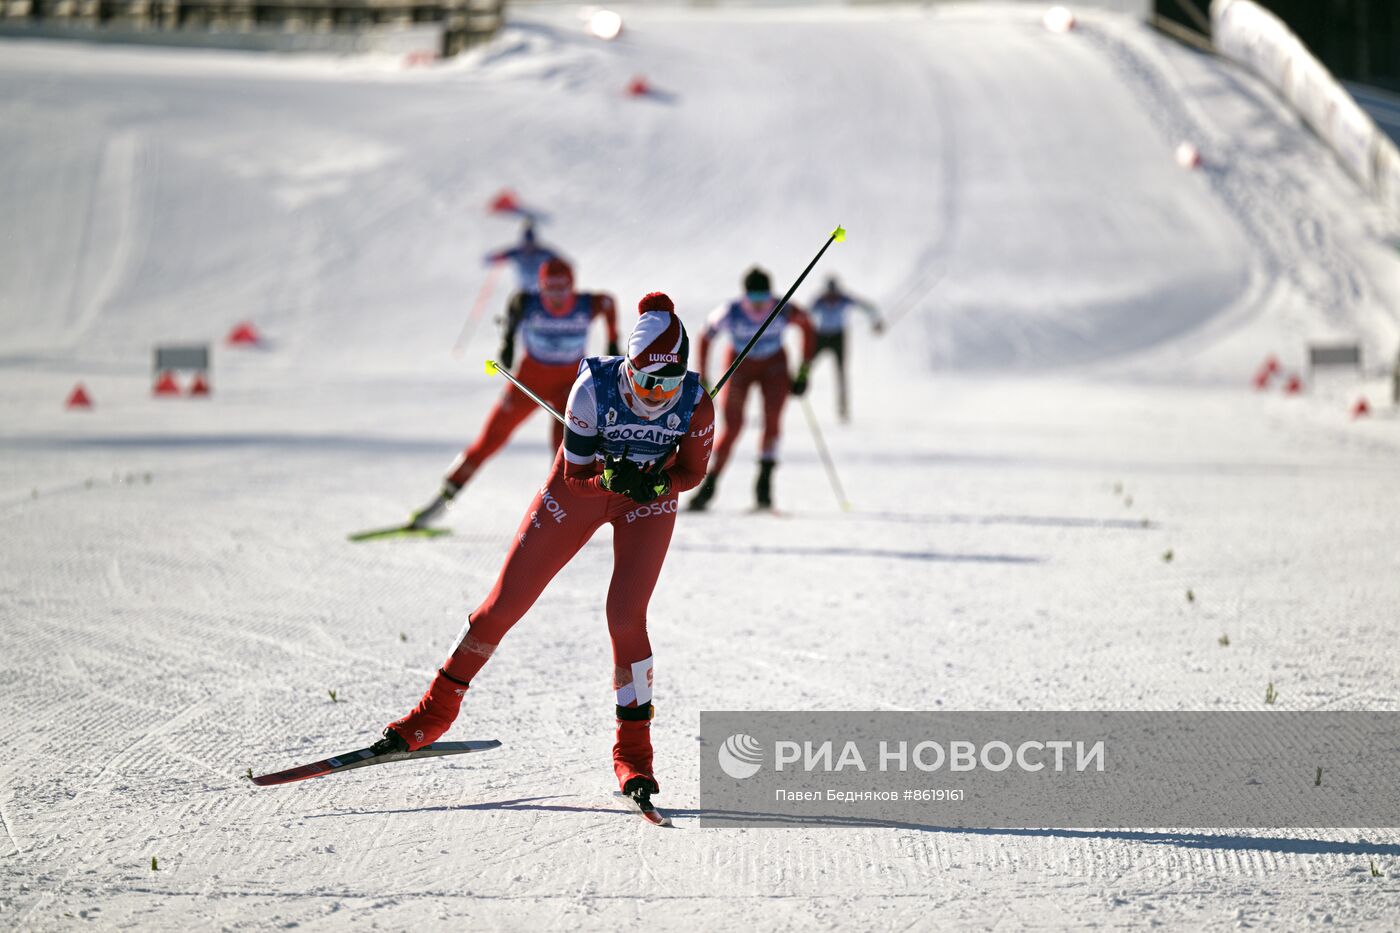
{"x":654,"y":388}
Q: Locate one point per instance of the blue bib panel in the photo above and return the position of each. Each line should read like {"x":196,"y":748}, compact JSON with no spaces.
{"x":557,"y":340}
{"x":829,"y":314}
{"x":527,"y":264}
{"x":742,"y":327}
{"x":621,"y":429}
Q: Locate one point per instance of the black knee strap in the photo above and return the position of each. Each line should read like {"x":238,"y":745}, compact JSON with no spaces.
{"x":463,"y":683}
{"x":641,"y":713}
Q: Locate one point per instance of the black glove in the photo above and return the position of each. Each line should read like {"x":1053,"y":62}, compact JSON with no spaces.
{"x":619,"y":474}
{"x":649,"y":486}
{"x":613,"y":348}
{"x":628,"y":478}
{"x":799,"y":382}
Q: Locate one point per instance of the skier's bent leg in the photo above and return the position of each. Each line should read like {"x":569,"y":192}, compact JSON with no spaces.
{"x":512,"y":408}
{"x":734,"y":396}
{"x":555,"y":526}
{"x":641,"y":536}
{"x":775,"y":387}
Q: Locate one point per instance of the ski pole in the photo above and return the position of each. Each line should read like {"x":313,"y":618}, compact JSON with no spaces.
{"x":825,"y":455}
{"x":837,"y":236}
{"x":481,"y":296}
{"x":496,"y":369}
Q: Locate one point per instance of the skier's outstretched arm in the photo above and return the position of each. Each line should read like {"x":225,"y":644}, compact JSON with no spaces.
{"x":707,"y":336}
{"x":877,"y":323}
{"x":800,"y":319}
{"x":803,"y":322}
{"x":606,"y":308}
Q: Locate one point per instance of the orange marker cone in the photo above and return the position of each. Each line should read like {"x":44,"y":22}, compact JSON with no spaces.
{"x":638,"y":87}
{"x":166,"y":384}
{"x":78,"y":398}
{"x":199,"y":386}
{"x":1361,"y":409}
{"x":244,"y":335}
{"x":1294,"y":385}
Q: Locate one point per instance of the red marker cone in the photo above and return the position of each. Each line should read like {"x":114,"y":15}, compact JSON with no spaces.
{"x":199,"y":386}
{"x":505,"y":203}
{"x":638,"y":87}
{"x":1267,"y":371}
{"x":166,"y":384}
{"x":244,"y":335}
{"x":1294,"y":385}
{"x":78,"y":398}
{"x":1361,"y":408}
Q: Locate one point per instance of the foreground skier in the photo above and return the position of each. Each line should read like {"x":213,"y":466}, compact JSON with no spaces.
{"x":639,"y":431}
{"x":766,"y":366}
{"x":553,"y":325}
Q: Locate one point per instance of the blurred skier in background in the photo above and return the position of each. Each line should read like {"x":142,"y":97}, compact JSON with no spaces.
{"x":553,"y":325}
{"x":639,"y":432}
{"x":526,"y":257}
{"x":829,"y":319}
{"x":766,"y":367}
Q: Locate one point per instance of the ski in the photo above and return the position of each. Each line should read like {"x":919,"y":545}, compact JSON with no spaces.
{"x":364,"y":757}
{"x":641,"y":801}
{"x":399,"y":531}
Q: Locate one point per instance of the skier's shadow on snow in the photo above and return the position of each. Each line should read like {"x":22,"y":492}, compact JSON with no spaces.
{"x":1222,"y":841}
{"x":1030,"y":521}
{"x":874,"y":553}
{"x":531,"y":804}
{"x":738,"y":819}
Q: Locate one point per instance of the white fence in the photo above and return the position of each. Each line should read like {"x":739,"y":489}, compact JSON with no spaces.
{"x":1249,"y":34}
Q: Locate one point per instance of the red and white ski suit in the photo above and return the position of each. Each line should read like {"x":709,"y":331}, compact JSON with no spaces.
{"x":564,"y":514}
{"x":766,"y":366}
{"x":551,"y":381}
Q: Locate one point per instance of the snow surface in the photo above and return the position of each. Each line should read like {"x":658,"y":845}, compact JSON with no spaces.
{"x":1061,"y":399}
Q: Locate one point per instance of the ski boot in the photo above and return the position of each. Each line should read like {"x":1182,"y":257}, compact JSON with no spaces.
{"x":701,"y":500}
{"x":433,"y":510}
{"x":632,"y":753}
{"x":763,"y":489}
{"x":432,"y":717}
{"x":392,"y":742}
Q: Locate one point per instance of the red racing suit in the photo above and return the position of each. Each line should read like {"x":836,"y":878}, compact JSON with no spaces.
{"x":766,"y":366}
{"x":549,"y":372}
{"x":565,"y":512}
